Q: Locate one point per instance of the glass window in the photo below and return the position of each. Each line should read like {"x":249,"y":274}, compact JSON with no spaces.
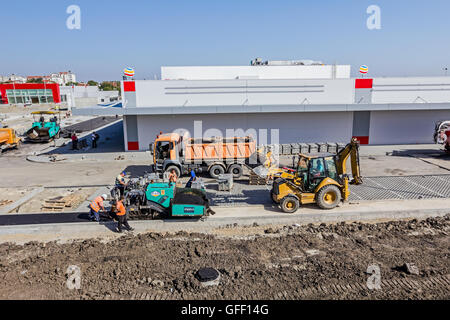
{"x":302,"y":164}
{"x":162,"y":150}
{"x":317,"y":168}
{"x":331,"y":167}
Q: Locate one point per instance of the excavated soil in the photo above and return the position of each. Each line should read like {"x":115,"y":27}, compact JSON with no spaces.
{"x":285,"y":262}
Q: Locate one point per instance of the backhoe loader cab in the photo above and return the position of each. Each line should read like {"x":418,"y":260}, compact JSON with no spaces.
{"x":317,"y":179}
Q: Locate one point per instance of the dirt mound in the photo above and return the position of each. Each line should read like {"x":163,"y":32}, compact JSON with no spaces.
{"x":288,"y":262}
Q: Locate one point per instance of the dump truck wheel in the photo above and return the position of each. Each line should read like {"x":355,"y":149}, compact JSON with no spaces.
{"x":289,"y":204}
{"x":236,"y":170}
{"x":216,"y":170}
{"x":177,"y":170}
{"x":328,"y":197}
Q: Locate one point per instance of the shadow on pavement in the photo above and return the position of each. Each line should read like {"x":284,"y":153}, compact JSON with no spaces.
{"x":111,"y":140}
{"x":440,"y":154}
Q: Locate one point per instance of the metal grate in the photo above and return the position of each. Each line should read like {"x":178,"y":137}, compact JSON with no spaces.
{"x":373,"y":188}
{"x":409,"y":187}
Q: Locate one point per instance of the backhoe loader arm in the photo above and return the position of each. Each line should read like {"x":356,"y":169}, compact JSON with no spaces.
{"x":351,"y":150}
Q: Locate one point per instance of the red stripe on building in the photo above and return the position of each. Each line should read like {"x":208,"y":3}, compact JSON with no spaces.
{"x":363,"y":139}
{"x":27,"y":86}
{"x":363,"y":83}
{"x":129,"y":86}
{"x":133,"y":145}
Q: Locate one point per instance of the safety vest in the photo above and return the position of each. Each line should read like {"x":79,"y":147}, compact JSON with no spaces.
{"x":97,"y":204}
{"x":120,"y":208}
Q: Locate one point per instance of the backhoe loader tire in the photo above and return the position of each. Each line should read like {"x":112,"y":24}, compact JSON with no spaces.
{"x":216,"y":170}
{"x":289,"y":204}
{"x":236,"y":170}
{"x":328,"y":197}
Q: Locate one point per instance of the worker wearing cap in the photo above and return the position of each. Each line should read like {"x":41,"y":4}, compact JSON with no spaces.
{"x":191,"y":179}
{"x":121,"y":182}
{"x":97,"y":205}
{"x":121,"y":214}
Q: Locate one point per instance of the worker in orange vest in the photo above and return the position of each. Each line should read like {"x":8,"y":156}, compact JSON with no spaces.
{"x":122,"y":218}
{"x":97,"y":205}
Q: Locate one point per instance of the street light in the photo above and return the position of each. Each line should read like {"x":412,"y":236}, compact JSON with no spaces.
{"x":14,"y":88}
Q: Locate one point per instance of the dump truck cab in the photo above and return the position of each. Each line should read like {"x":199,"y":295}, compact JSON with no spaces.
{"x":317,"y":179}
{"x":166,"y":153}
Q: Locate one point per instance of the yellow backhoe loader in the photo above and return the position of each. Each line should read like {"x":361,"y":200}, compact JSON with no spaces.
{"x":320,"y":180}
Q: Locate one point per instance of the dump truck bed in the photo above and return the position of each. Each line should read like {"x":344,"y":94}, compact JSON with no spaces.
{"x":234,"y":148}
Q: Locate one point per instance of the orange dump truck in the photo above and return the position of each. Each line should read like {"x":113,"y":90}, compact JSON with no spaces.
{"x":215,"y":155}
{"x":8,"y":139}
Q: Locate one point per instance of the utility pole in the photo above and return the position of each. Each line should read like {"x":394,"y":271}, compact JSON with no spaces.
{"x":14,"y":87}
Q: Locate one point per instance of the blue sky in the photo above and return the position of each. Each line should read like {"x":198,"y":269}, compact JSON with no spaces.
{"x":146,"y":34}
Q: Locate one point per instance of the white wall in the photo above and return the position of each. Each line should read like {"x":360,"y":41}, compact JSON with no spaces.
{"x":293,"y":127}
{"x":160,"y":93}
{"x":411,"y":90}
{"x":404,"y":127}
{"x":254,"y":72}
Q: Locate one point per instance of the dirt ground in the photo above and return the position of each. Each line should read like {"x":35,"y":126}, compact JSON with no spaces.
{"x":278,"y":262}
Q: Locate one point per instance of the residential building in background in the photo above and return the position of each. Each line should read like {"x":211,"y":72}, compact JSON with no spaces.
{"x":61,"y":78}
{"x":13,"y":77}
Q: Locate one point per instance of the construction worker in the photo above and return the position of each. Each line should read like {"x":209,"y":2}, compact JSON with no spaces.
{"x":94,"y":139}
{"x":121,"y":183}
{"x":173,"y":176}
{"x":97,"y":205}
{"x":191,"y":179}
{"x":122,"y":218}
{"x":74,"y":141}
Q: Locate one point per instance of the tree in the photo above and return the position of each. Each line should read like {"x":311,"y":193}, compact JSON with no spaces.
{"x":92,"y":83}
{"x":110,"y":86}
{"x":35,"y":80}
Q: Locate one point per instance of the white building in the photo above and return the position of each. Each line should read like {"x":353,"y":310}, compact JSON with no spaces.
{"x":86,"y":96}
{"x":13,"y":77}
{"x":305,"y":105}
{"x":274,"y":70}
{"x":67,"y":77}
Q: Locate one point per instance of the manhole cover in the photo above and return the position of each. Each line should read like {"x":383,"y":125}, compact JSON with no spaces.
{"x":207,"y":274}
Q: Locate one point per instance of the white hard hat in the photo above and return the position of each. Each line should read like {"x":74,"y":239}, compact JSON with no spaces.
{"x":104,"y":196}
